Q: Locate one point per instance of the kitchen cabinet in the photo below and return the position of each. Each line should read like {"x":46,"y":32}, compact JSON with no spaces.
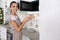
{"x":3,"y":33}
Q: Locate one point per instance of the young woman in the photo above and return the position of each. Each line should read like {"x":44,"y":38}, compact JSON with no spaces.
{"x":15,"y":23}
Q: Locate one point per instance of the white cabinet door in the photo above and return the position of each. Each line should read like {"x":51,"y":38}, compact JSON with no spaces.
{"x":3,"y":33}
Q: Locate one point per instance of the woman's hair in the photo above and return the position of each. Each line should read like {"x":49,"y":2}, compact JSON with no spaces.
{"x":14,"y":2}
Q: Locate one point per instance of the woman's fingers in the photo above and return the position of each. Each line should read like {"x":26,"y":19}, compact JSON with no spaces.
{"x":28,"y":18}
{"x":31,"y":16}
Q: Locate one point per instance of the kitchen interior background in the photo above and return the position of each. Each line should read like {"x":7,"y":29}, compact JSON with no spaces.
{"x":31,"y":29}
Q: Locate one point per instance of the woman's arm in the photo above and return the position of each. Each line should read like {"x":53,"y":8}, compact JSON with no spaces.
{"x":24,"y":21}
{"x":19,"y":28}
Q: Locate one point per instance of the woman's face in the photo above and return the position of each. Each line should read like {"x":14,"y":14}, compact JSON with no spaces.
{"x":14,"y":7}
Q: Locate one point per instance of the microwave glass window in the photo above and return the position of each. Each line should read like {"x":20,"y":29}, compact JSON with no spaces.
{"x":29,"y":6}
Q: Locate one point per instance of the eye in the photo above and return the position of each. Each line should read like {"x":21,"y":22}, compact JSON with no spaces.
{"x":13,"y":6}
{"x":16,"y":6}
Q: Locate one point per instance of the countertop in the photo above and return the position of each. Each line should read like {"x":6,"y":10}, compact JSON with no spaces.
{"x":2,"y":25}
{"x":32,"y":35}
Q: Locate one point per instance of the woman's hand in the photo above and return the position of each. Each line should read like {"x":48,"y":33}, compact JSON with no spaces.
{"x":29,"y":17}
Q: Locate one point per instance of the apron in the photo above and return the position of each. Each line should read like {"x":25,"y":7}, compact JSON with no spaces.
{"x":16,"y":35}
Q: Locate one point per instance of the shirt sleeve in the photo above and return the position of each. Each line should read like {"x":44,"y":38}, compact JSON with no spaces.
{"x":13,"y":18}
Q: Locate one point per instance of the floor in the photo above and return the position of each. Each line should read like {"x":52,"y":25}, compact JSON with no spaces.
{"x":31,"y":35}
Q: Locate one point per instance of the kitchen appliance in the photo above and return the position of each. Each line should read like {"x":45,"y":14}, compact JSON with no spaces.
{"x":29,"y":6}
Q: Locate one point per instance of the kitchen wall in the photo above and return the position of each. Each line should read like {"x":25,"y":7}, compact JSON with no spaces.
{"x":9,"y":1}
{"x":1,"y":2}
{"x":50,"y":20}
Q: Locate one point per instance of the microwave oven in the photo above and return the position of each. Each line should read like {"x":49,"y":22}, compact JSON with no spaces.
{"x":29,"y":6}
